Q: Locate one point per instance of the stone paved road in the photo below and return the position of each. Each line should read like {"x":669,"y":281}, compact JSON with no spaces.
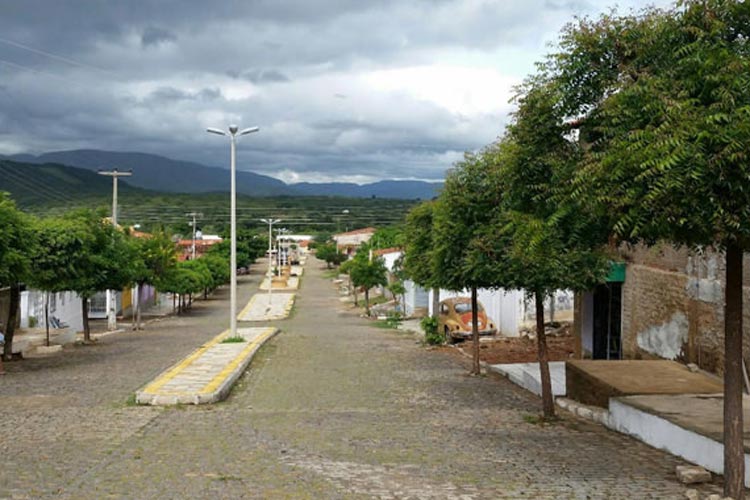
{"x":331,"y":408}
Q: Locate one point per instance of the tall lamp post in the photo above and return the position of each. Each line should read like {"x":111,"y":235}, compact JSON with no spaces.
{"x":115,"y":174}
{"x":233,"y":133}
{"x":270,"y":223}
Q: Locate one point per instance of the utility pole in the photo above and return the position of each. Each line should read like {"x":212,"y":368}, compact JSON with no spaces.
{"x":115,"y":174}
{"x":194,"y":215}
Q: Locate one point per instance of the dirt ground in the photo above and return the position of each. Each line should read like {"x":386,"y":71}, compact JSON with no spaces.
{"x":521,"y":349}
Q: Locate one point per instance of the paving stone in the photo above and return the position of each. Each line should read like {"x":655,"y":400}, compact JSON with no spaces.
{"x":336,"y":412}
{"x":691,"y":474}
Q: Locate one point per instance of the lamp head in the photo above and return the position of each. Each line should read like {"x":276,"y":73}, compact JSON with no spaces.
{"x":212,"y":130}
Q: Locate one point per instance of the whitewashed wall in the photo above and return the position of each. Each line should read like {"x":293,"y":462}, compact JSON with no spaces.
{"x":65,"y":306}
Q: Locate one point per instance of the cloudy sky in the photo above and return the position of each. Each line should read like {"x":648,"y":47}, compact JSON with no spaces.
{"x":344,"y":90}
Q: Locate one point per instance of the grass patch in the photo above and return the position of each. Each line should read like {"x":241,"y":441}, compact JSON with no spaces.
{"x":131,"y":400}
{"x":539,"y":419}
{"x":380,"y":299}
{"x":388,"y":323}
{"x":331,"y":273}
{"x":233,"y":340}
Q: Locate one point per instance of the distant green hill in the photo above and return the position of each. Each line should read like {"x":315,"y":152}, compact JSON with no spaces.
{"x":51,"y":188}
{"x":51,"y":184}
{"x":163,"y":174}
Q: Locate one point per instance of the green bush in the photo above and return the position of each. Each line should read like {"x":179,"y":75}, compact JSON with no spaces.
{"x":430,"y":327}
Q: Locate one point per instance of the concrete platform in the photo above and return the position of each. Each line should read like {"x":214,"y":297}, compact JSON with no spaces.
{"x":206,"y":375}
{"x":267,"y":307}
{"x":595,"y":382}
{"x":291,"y":285}
{"x":528,"y":376}
{"x":687,"y":425}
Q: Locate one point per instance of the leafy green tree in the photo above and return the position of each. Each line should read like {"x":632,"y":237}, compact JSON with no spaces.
{"x":419,"y":265}
{"x":463,"y":210}
{"x":663,"y":100}
{"x":388,"y":237}
{"x":218,"y":268}
{"x":155,"y":256}
{"x":367,"y":273}
{"x":543,"y":240}
{"x":17,"y":244}
{"x":328,"y":253}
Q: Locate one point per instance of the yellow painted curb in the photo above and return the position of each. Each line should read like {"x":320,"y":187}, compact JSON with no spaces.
{"x":247,"y":307}
{"x":222,"y":375}
{"x":176,"y":369}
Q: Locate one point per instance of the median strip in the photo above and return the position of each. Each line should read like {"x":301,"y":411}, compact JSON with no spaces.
{"x":207,"y":374}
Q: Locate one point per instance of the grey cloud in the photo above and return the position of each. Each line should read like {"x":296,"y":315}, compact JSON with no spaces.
{"x":260,"y":76}
{"x":296,"y":72}
{"x":153,"y":35}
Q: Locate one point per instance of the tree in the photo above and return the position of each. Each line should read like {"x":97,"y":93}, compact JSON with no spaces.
{"x":155,"y":256}
{"x":544,"y":239}
{"x":330,"y":254}
{"x":388,"y":237}
{"x":367,"y":273}
{"x":465,"y":207}
{"x":663,"y":100}
{"x":419,"y":265}
{"x":16,"y":245}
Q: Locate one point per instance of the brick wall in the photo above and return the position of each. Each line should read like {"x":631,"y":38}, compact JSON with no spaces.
{"x":674,"y":297}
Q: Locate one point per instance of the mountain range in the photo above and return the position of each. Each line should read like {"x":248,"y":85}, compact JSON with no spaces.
{"x":158,"y":173}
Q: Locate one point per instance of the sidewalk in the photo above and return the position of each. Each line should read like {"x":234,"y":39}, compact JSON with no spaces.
{"x":292,"y":284}
{"x":206,"y":375}
{"x":267,"y":307}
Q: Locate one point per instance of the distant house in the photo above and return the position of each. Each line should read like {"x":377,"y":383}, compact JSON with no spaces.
{"x":202,"y":244}
{"x":348,"y":243}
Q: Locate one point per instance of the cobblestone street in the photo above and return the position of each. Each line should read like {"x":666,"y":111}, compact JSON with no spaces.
{"x":332,"y":407}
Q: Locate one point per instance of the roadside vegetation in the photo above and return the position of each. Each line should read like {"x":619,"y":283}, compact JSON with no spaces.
{"x":634,"y":130}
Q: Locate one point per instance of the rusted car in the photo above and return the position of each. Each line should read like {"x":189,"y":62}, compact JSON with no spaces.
{"x":455,"y":319}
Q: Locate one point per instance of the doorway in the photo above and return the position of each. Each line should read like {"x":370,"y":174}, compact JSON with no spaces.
{"x":607,"y":321}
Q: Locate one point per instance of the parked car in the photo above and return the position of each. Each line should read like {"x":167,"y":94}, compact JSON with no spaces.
{"x":454,"y":319}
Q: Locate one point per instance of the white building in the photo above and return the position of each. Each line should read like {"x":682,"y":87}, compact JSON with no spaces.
{"x":511,"y":311}
{"x":65,"y":306}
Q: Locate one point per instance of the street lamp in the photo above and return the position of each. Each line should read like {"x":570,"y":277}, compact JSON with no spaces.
{"x":233,"y":134}
{"x":270,"y":223}
{"x":115,"y":174}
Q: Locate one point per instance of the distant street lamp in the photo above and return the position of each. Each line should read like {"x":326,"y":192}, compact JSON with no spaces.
{"x":233,"y":134}
{"x":270,"y":223}
{"x":110,"y":297}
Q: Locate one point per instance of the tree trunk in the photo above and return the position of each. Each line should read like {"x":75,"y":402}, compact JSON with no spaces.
{"x":174,"y":302}
{"x":46,"y":315}
{"x":435,"y":302}
{"x":85,"y":319}
{"x":138,"y":315}
{"x":134,"y":308}
{"x":367,"y":301}
{"x":548,"y":403}
{"x":552,"y":308}
{"x":10,"y":328}
{"x":734,"y":465}
{"x":356,"y":302}
{"x":475,"y":368}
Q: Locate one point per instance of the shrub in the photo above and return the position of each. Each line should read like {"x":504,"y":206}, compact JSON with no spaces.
{"x":430,"y":327}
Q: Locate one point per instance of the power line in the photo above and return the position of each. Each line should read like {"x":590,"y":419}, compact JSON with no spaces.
{"x":55,"y":56}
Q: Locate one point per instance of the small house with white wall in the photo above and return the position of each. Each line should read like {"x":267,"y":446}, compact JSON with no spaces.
{"x":348,"y":243}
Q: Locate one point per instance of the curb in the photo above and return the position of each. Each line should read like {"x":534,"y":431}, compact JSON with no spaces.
{"x":213,"y":390}
{"x":259,"y":296}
